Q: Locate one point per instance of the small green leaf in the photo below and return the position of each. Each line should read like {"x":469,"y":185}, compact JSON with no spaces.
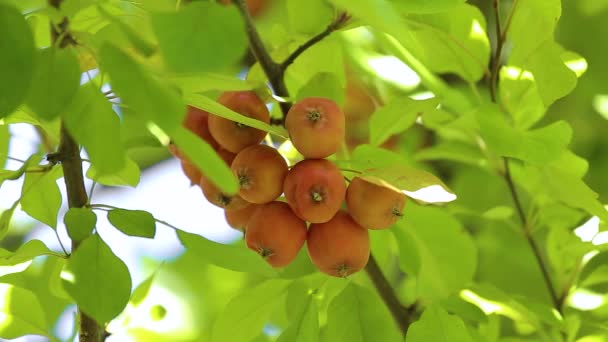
{"x":195,"y":37}
{"x":206,"y":159}
{"x":92,"y":122}
{"x":141,"y":292}
{"x":207,"y":104}
{"x":79,"y":222}
{"x":249,"y":311}
{"x":34,"y":159}
{"x":21,"y":311}
{"x":57,"y":77}
{"x":26,"y":252}
{"x":133,"y":222}
{"x":397,"y":116}
{"x":413,"y":181}
{"x":98,"y":280}
{"x":16,"y":60}
{"x":147,"y":96}
{"x":231,"y":257}
{"x":40,"y":196}
{"x":323,"y":84}
{"x":437,"y":325}
{"x":595,"y":271}
{"x":357,"y":314}
{"x":5,"y":219}
{"x":129,"y":175}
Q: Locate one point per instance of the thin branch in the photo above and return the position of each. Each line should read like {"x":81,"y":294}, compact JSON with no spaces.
{"x":401,"y":314}
{"x":542,"y":263}
{"x":275,"y":72}
{"x":501,"y":39}
{"x":338,"y":22}
{"x":271,"y":68}
{"x":69,"y":155}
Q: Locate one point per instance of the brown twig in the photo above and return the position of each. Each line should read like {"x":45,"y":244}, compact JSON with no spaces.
{"x":273,"y":70}
{"x":69,"y":156}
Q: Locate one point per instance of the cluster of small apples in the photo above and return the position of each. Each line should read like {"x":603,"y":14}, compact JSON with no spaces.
{"x":314,"y":189}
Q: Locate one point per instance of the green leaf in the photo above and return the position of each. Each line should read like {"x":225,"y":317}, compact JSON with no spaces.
{"x":323,"y":84}
{"x":16,"y":60}
{"x":97,"y":280}
{"x":141,"y":292}
{"x":437,"y":325}
{"x":139,"y":43}
{"x":519,"y":95}
{"x":40,"y":196}
{"x":397,"y":116}
{"x":133,"y":222}
{"x":26,"y":252}
{"x":448,"y":255}
{"x":129,"y":175}
{"x":455,"y":151}
{"x":92,"y":122}
{"x":539,"y":53}
{"x":537,"y":146}
{"x":595,"y":270}
{"x":412,"y":181}
{"x":79,"y":222}
{"x":358,"y":315}
{"x":235,"y":258}
{"x":555,"y":182}
{"x":249,"y":311}
{"x":425,"y":6}
{"x":309,"y":16}
{"x":304,"y":325}
{"x":453,"y":41}
{"x":5,"y":139}
{"x":34,"y":159}
{"x":57,"y":77}
{"x":409,"y":256}
{"x":21,"y":311}
{"x":207,"y":104}
{"x":202,"y":36}
{"x":148,"y":97}
{"x":5,"y":219}
{"x":519,"y":309}
{"x":206,"y":159}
